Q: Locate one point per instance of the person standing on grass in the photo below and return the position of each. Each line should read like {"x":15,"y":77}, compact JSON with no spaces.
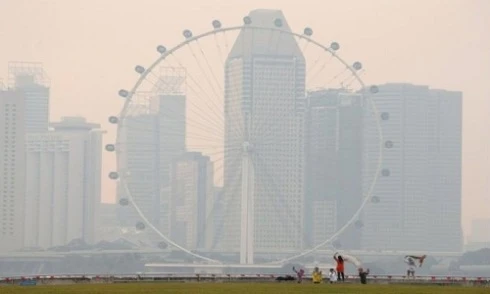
{"x":340,"y":266}
{"x":332,"y":276}
{"x":317,"y":276}
{"x":363,"y":275}
{"x":299,"y":274}
{"x":410,"y":261}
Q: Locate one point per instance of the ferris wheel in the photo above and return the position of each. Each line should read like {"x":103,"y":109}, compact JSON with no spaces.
{"x":211,"y":139}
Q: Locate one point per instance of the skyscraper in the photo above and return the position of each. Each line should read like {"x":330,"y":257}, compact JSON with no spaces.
{"x":333,"y":165}
{"x":264,"y":106}
{"x":149,"y":143}
{"x":445,"y":155}
{"x":170,"y":109}
{"x":31,"y":79}
{"x":12,"y":167}
{"x":192,"y":199}
{"x":62,"y":183}
{"x":419,"y":188}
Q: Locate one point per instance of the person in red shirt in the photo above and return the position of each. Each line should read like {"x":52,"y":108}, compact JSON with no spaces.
{"x":340,"y":266}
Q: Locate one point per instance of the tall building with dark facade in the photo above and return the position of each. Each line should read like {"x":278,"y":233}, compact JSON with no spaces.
{"x":333,"y":165}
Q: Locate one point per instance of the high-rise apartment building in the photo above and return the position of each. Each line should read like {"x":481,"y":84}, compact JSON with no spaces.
{"x":265,"y":106}
{"x":192,"y":200}
{"x":31,"y":79}
{"x":418,"y":193}
{"x":12,"y":169}
{"x":63,"y":174}
{"x":333,"y":165}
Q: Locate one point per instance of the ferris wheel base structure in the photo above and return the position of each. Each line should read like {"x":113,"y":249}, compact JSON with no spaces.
{"x":247,"y":211}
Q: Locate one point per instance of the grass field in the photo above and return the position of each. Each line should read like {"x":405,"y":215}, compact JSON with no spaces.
{"x":233,"y":288}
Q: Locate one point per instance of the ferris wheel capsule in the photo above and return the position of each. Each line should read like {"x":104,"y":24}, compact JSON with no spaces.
{"x":123,"y":93}
{"x":113,"y":119}
{"x":140,"y":226}
{"x":247,"y":20}
{"x":123,"y":201}
{"x":308,"y":31}
{"x":161,"y":49}
{"x":139,"y":69}
{"x":359,"y":224}
{"x":278,"y":22}
{"x":216,"y":24}
{"x":110,"y":147}
{"x":113,"y":175}
{"x":357,"y":65}
{"x":334,"y":46}
{"x":187,"y":34}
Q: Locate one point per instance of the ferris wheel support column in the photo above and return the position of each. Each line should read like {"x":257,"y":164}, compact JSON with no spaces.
{"x":247,"y":209}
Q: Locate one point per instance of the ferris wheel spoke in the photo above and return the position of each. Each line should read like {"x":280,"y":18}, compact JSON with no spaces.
{"x":305,"y":46}
{"x":353,"y":79}
{"x":219,"y":85}
{"x":277,"y":42}
{"x":214,"y":107}
{"x":220,"y":52}
{"x":199,"y":114}
{"x":265,"y":130}
{"x":312,"y":78}
{"x":275,"y":192}
{"x":144,"y":127}
{"x":213,"y":126}
{"x":337,"y":76}
{"x":216,"y":93}
{"x":208,"y":222}
{"x":230,"y":181}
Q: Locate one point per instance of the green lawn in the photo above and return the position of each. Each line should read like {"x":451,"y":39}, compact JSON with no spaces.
{"x":213,"y":288}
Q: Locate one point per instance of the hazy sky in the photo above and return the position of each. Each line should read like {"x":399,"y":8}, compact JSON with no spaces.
{"x":89,"y":49}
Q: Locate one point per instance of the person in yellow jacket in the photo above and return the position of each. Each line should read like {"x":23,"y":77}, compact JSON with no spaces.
{"x":317,"y":276}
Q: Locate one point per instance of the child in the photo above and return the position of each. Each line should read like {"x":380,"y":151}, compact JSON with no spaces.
{"x":317,"y":276}
{"x":363,"y":275}
{"x":332,"y":275}
{"x":299,"y":274}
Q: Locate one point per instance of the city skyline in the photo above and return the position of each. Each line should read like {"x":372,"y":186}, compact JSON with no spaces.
{"x":414,"y":47}
{"x":107,"y":128}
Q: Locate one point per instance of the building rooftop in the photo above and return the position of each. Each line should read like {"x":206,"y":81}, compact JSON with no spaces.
{"x":265,"y":42}
{"x":74,"y":123}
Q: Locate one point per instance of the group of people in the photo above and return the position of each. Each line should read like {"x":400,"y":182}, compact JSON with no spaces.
{"x":338,"y":274}
{"x":334,"y":275}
